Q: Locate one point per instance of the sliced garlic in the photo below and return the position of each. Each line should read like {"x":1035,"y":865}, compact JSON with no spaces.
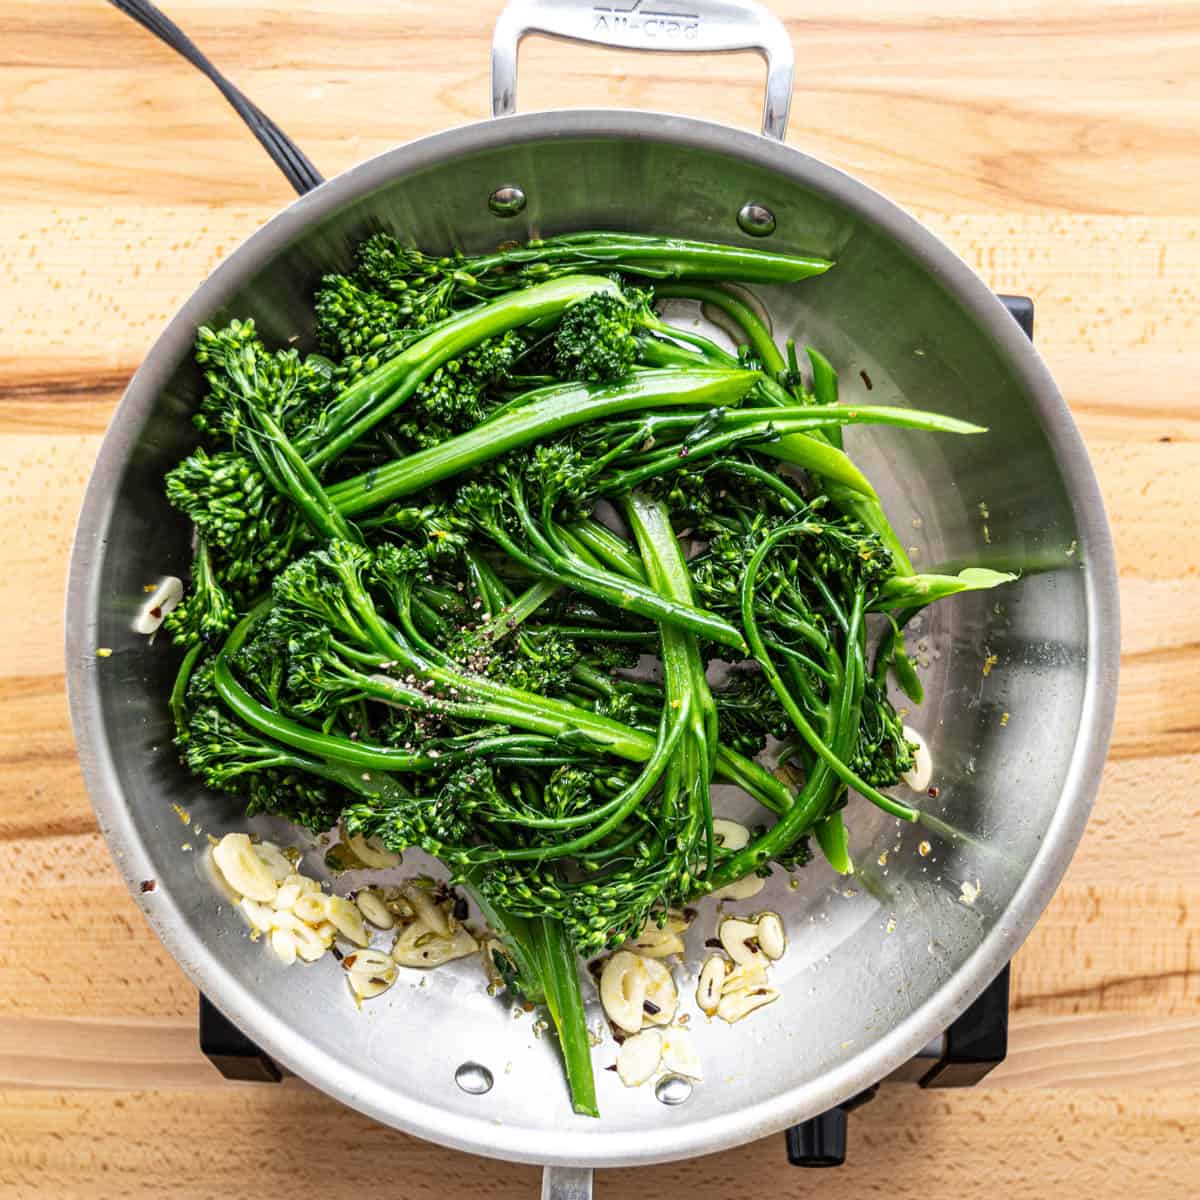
{"x":310,"y":945}
{"x":677,"y":922}
{"x":623,"y":984}
{"x":712,"y":979}
{"x":679,"y":1053}
{"x":730,"y":835}
{"x":374,"y":910}
{"x":740,"y":940}
{"x":653,"y":942}
{"x":737,"y":1005}
{"x":347,"y":919}
{"x":396,"y":904}
{"x":243,"y":870}
{"x":274,"y":860}
{"x":423,"y":905}
{"x":371,"y":852}
{"x":772,"y":939}
{"x":920,"y":773}
{"x":741,"y":889}
{"x":310,"y":907}
{"x":661,"y":993}
{"x":639,"y":1056}
{"x":420,"y":946}
{"x":284,"y":944}
{"x":290,"y":890}
{"x":746,"y":978}
{"x":165,"y":597}
{"x":259,"y":915}
{"x":370,"y":972}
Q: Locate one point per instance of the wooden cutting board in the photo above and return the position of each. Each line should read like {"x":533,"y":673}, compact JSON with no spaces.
{"x":1053,"y":145}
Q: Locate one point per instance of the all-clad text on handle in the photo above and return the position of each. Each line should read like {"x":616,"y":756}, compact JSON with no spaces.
{"x":695,"y":26}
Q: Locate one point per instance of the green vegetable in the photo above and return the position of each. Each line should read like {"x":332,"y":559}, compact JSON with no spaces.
{"x":429,"y":557}
{"x":916,"y":591}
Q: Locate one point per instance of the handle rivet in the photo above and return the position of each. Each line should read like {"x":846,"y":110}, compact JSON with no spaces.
{"x":474,"y":1078}
{"x":756,"y":219}
{"x":507,"y":201}
{"x":672,"y":1090}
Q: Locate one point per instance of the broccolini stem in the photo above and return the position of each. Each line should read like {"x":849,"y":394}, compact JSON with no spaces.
{"x":559,"y":965}
{"x":612,"y":589}
{"x":299,"y":483}
{"x":801,"y":417}
{"x":735,"y":768}
{"x":327,"y":746}
{"x":703,"y":351}
{"x":865,"y":507}
{"x":515,"y":932}
{"x":511,"y":616}
{"x":611,"y":815}
{"x":755,"y":329}
{"x":785,"y":436}
{"x":834,"y":840}
{"x":657,"y":258}
{"x":606,"y":546}
{"x":547,"y":412}
{"x":178,"y":699}
{"x":683,"y":668}
{"x":793,"y":710}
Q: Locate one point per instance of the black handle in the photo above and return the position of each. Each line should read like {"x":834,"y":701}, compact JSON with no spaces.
{"x":230,"y":1050}
{"x":978,"y":1040}
{"x":286,"y":155}
{"x":1021,"y":310}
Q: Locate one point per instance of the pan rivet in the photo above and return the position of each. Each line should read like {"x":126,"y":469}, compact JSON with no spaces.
{"x":474,"y":1078}
{"x":756,"y":219}
{"x":672,"y":1089}
{"x":507,"y":201}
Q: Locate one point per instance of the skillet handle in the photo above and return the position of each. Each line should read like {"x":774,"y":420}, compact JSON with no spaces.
{"x":566,"y":1183}
{"x":697,"y":26}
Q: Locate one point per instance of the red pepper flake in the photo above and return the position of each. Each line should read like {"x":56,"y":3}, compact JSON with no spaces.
{"x":148,"y":885}
{"x":349,"y":961}
{"x":866,"y":379}
{"x":934,"y":792}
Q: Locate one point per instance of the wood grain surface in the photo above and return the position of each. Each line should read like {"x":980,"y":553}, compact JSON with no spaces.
{"x":1053,"y":144}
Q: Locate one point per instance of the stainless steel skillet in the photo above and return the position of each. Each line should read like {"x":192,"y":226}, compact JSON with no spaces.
{"x":877,"y":967}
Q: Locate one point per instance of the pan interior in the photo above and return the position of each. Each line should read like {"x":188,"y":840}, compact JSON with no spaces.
{"x":1005,"y":672}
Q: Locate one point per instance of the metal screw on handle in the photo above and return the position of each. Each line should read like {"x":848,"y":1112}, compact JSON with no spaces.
{"x":688,"y":26}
